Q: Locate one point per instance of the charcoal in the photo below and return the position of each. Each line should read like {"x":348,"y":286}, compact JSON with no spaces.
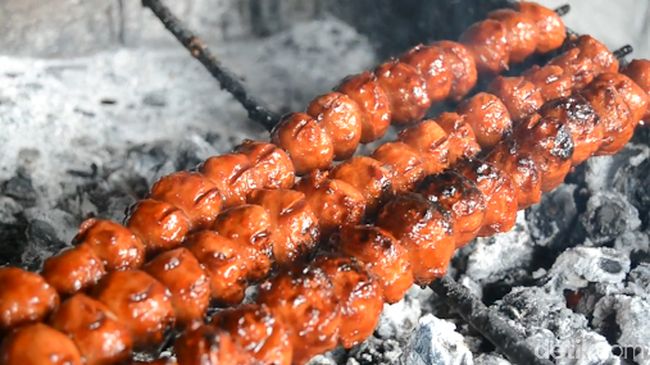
{"x":608,"y":216}
{"x":639,"y":281}
{"x":398,"y":320}
{"x":604,"y":172}
{"x":322,"y":360}
{"x":20,"y":188}
{"x":375,"y":351}
{"x":434,"y":342}
{"x":9,"y":209}
{"x":630,"y":331}
{"x":490,"y":359}
{"x":42,"y":242}
{"x":577,"y":267}
{"x":633,"y":179}
{"x":551,"y":220}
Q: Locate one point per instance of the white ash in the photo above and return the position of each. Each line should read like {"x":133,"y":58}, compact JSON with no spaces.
{"x":608,"y":215}
{"x":436,"y":342}
{"x":551,"y":219}
{"x":639,"y":281}
{"x":575,"y":268}
{"x":490,"y":359}
{"x":400,"y":319}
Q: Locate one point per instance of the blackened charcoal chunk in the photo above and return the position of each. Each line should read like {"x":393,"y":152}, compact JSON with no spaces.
{"x":639,"y":281}
{"x":436,"y":341}
{"x":608,"y":216}
{"x":42,"y":242}
{"x":21,"y":189}
{"x":550,"y":221}
{"x":634,"y":182}
{"x":577,"y":267}
{"x":375,"y":351}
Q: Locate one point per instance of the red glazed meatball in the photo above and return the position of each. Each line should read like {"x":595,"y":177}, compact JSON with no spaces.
{"x":305,"y":300}
{"x":140,"y":302}
{"x":551,"y":81}
{"x":521,"y":32}
{"x":639,"y":71}
{"x":463,"y":68}
{"x":192,"y":193}
{"x":499,"y":191}
{"x":432,"y":64}
{"x":159,"y":225}
{"x":73,"y":270}
{"x":38,"y":344}
{"x":208,"y":345}
{"x":382,"y":255}
{"x":306,"y":142}
{"x":338,"y":203}
{"x":233,"y":175}
{"x":180,"y":272}
{"x":406,"y":90}
{"x":114,"y":244}
{"x":100,"y":337}
{"x":227,"y":262}
{"x":550,"y":28}
{"x":402,"y":162}
{"x":425,"y":230}
{"x":368,"y":176}
{"x":520,"y":96}
{"x":461,"y":198}
{"x":432,"y":143}
{"x":461,"y":138}
{"x":340,"y":117}
{"x":488,"y":117}
{"x":295,"y":224}
{"x":373,"y":101}
{"x":271,"y":167}
{"x":24,"y":297}
{"x":258,"y":331}
{"x":488,"y":42}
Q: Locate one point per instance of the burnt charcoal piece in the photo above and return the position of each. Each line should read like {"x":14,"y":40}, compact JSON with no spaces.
{"x":634,"y":182}
{"x":550,"y":221}
{"x":608,"y":216}
{"x":21,"y":189}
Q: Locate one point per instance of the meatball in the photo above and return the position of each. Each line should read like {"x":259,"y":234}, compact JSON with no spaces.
{"x":73,"y":270}
{"x":38,"y":344}
{"x":382,"y":255}
{"x":295,"y":225}
{"x":488,"y":42}
{"x":368,"y":176}
{"x":227,"y":262}
{"x":192,"y":193}
{"x":338,"y":203}
{"x":521,"y":166}
{"x":461,"y":138}
{"x":550,"y":28}
{"x":304,"y":300}
{"x":432,"y":143}
{"x":114,"y":244}
{"x":521,"y":32}
{"x":359,"y":295}
{"x":551,"y":81}
{"x":460,"y":197}
{"x":463,"y":68}
{"x":406,"y":91}
{"x":306,"y":142}
{"x":208,"y":345}
{"x":233,"y":175}
{"x":582,"y":122}
{"x":140,"y":302}
{"x":499,"y":191}
{"x":403,"y":163}
{"x":271,"y":167}
{"x":425,"y":230}
{"x":639,"y":71}
{"x":548,"y":141}
{"x":434,"y":67}
{"x":180,"y":272}
{"x":488,"y":117}
{"x":520,"y":96}
{"x":159,"y":225}
{"x":24,"y":297}
{"x":99,"y":335}
{"x":373,"y":101}
{"x":257,"y":330}
{"x":340,"y":117}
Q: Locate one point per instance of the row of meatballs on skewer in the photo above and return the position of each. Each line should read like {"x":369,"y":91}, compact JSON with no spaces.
{"x":252,"y":243}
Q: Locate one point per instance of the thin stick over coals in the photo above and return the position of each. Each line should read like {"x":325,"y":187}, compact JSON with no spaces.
{"x":487,"y":321}
{"x":227,"y":79}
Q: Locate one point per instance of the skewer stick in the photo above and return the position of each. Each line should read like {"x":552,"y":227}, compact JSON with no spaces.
{"x":488,"y":322}
{"x":563,"y":10}
{"x":227,"y":79}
